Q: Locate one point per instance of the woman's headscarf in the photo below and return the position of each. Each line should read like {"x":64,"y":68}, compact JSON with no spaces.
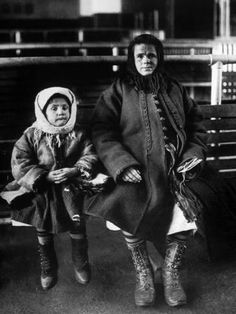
{"x":149,"y":83}
{"x":41,"y":101}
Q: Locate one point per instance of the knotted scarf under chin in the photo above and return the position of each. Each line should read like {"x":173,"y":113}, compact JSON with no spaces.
{"x":148,"y":84}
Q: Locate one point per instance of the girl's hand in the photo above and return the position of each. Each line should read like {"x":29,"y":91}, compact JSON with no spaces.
{"x":131,"y":175}
{"x":61,"y":175}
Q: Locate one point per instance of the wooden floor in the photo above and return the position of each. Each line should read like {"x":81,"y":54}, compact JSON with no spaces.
{"x":210,"y":286}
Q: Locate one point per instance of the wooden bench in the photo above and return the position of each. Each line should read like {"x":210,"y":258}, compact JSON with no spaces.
{"x":220,"y":122}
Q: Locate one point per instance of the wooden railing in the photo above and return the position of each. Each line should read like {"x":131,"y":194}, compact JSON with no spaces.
{"x":171,"y":47}
{"x":215,"y":61}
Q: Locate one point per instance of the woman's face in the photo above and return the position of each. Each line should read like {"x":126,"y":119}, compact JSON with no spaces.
{"x":58,"y":111}
{"x":145,"y":59}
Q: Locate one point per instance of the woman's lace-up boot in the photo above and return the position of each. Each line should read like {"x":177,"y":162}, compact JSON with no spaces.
{"x":173,"y":290}
{"x":144,"y":290}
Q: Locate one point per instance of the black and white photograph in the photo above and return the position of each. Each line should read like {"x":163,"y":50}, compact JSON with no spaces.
{"x":117,"y":156}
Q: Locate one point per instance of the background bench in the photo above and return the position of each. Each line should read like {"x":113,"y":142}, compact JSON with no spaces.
{"x":220,"y":122}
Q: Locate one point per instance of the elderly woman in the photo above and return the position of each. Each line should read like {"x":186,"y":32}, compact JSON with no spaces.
{"x":148,"y":134}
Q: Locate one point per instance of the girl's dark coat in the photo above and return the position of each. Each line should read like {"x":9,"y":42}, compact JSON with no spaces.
{"x":31,"y":162}
{"x":127,"y":131}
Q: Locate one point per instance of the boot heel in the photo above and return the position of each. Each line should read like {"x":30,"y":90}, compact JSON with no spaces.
{"x":83,"y":276}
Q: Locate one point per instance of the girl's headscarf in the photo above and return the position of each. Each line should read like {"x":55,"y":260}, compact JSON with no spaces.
{"x":149,"y":83}
{"x":41,"y":101}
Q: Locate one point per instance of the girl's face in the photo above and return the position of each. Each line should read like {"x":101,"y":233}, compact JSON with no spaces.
{"x":58,"y":111}
{"x":145,"y":59}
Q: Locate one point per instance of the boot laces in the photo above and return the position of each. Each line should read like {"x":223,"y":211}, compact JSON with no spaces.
{"x":143,"y":273}
{"x":174,"y":266}
{"x":143,"y":279}
{"x":46,"y":263}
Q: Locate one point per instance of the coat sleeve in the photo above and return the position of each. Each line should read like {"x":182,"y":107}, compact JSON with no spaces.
{"x":88,"y":158}
{"x":106,"y":132}
{"x":195,"y":145}
{"x":25,"y":168}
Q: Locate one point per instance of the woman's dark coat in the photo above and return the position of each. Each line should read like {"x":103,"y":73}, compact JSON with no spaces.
{"x":127,"y":131}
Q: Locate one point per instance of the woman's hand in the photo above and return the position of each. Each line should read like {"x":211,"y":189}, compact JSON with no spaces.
{"x":191,"y":168}
{"x":131,"y":175}
{"x":61,"y":175}
{"x":193,"y":173}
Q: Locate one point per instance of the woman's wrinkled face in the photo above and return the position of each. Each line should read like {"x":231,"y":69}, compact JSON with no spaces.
{"x":145,"y":59}
{"x":58,"y":111}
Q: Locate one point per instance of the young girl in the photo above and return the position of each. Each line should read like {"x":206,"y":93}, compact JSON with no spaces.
{"x":49,"y":162}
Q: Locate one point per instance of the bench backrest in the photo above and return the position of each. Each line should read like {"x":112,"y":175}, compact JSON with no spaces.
{"x":220,"y":122}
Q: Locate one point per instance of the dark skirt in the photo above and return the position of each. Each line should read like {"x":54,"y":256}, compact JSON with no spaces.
{"x":126,"y":205}
{"x":47,"y":211}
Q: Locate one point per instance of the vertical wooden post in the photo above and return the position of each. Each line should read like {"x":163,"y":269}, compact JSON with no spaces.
{"x":18,"y":37}
{"x":80,"y":35}
{"x":156,"y":20}
{"x":216,"y":83}
{"x":227,"y":17}
{"x":115,"y":52}
{"x":224,"y":18}
{"x":136,"y":21}
{"x":192,"y":92}
{"x":170,"y":18}
{"x":18,"y":40}
{"x":215,"y":19}
{"x":141,"y":20}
